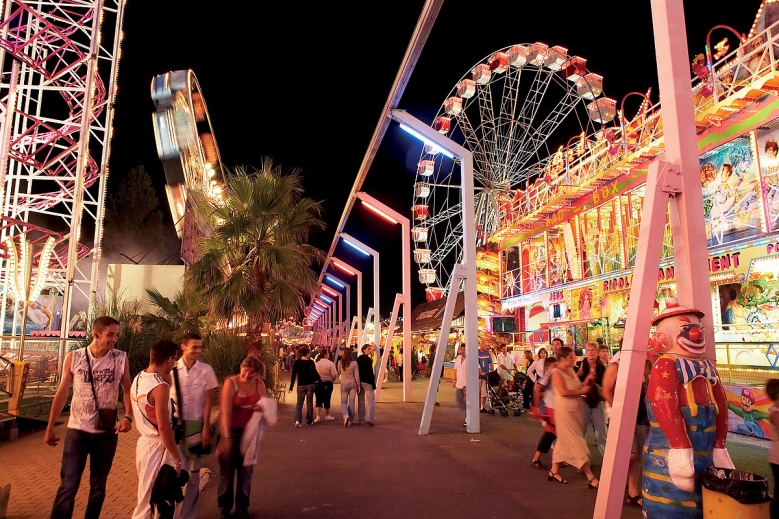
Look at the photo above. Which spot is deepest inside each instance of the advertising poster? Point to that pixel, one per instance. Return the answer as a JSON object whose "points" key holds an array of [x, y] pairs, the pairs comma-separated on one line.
{"points": [[768, 151], [42, 315], [585, 304], [730, 197], [748, 411]]}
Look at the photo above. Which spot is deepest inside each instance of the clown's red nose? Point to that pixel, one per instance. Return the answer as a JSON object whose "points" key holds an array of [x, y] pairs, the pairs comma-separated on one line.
{"points": [[695, 334]]}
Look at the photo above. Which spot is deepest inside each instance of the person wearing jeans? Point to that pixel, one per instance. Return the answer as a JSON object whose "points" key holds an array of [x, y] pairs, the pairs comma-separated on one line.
{"points": [[304, 369], [368, 385], [350, 386], [95, 374]]}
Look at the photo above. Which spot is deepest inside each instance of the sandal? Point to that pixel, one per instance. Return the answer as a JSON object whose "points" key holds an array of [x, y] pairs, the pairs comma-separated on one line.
{"points": [[635, 500], [537, 464], [554, 476], [590, 484]]}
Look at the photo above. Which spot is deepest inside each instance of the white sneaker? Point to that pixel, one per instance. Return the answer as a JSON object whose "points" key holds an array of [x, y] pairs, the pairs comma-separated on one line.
{"points": [[297, 424], [329, 417]]}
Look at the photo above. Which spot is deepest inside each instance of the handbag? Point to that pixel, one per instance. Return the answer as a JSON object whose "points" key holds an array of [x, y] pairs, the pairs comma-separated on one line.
{"points": [[106, 416], [187, 431]]}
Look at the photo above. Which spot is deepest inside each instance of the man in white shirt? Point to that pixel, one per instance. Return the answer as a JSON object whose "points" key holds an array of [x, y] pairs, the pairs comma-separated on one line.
{"points": [[458, 381], [505, 363], [196, 380]]}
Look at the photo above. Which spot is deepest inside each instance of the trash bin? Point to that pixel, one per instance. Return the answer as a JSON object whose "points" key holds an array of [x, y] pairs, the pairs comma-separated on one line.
{"points": [[729, 493]]}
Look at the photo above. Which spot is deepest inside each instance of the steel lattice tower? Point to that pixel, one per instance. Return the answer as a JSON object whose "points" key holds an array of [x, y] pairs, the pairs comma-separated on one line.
{"points": [[59, 62]]}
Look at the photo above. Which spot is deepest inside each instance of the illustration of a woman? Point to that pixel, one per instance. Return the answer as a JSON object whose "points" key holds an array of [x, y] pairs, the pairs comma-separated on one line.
{"points": [[585, 303]]}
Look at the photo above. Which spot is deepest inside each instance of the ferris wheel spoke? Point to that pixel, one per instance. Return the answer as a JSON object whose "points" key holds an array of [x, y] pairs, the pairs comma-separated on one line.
{"points": [[533, 101], [473, 143], [547, 127], [489, 136], [450, 242], [443, 215]]}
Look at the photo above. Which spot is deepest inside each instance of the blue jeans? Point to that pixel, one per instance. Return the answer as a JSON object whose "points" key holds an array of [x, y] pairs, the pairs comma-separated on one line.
{"points": [[348, 392], [305, 392], [599, 421], [100, 447], [366, 393], [230, 465]]}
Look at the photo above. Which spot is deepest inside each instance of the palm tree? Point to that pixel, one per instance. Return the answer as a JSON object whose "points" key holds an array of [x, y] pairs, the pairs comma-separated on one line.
{"points": [[256, 263], [186, 313]]}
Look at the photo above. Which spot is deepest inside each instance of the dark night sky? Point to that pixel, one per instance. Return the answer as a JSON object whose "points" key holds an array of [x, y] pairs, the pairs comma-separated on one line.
{"points": [[305, 84]]}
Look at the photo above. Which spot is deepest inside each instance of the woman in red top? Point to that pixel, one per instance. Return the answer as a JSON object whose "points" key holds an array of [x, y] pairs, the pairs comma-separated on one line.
{"points": [[240, 395]]}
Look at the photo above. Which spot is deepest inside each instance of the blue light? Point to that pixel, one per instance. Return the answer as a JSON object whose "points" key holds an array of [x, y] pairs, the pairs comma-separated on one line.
{"points": [[326, 299], [334, 281], [322, 308], [356, 247], [412, 131]]}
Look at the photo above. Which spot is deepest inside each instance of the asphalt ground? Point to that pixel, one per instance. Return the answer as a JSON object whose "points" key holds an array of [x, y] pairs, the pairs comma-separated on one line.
{"points": [[386, 471]]}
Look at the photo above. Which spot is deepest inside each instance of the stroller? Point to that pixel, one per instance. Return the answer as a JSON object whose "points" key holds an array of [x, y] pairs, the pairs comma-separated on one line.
{"points": [[497, 399]]}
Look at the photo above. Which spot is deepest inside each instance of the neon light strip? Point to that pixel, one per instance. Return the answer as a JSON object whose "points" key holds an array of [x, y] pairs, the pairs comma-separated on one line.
{"points": [[342, 267], [379, 212], [356, 247], [425, 140], [330, 291], [331, 279], [326, 299]]}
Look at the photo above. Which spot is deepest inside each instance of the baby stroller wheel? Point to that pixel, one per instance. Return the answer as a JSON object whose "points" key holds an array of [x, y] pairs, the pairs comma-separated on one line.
{"points": [[517, 412], [492, 412], [504, 413]]}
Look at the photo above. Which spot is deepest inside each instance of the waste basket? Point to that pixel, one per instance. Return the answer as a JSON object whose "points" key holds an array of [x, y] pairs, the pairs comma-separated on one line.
{"points": [[729, 493]]}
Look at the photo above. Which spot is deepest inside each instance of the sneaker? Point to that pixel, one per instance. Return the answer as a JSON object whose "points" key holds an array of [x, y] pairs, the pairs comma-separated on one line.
{"points": [[465, 424], [437, 403], [297, 424], [309, 423], [328, 417], [370, 423]]}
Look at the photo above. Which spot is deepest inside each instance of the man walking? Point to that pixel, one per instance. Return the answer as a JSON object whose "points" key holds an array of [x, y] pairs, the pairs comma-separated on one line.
{"points": [[95, 373], [150, 393], [485, 366], [368, 382], [196, 380]]}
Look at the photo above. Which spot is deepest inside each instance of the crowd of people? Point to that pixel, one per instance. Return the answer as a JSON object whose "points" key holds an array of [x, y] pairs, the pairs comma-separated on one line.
{"points": [[169, 403]]}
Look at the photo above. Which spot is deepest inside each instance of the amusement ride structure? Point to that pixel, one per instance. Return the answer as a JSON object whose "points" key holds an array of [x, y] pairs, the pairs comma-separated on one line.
{"points": [[59, 63]]}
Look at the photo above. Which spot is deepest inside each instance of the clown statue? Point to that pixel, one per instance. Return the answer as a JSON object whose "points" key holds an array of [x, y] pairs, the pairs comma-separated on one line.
{"points": [[688, 414]]}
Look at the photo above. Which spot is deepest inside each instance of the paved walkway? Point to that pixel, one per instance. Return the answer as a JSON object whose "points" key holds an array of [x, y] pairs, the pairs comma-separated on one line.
{"points": [[386, 471]]}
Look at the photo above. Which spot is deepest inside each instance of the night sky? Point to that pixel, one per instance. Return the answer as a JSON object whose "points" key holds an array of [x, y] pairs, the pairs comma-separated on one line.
{"points": [[305, 84]]}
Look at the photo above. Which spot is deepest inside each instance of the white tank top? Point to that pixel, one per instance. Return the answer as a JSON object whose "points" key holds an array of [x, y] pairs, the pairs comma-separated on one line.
{"points": [[107, 376], [143, 412]]}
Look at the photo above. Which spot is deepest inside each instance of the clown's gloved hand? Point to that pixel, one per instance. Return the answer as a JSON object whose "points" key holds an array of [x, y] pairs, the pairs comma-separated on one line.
{"points": [[722, 459], [681, 468]]}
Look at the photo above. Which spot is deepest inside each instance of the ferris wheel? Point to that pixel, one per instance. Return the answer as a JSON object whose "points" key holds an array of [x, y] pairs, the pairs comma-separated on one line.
{"points": [[515, 111]]}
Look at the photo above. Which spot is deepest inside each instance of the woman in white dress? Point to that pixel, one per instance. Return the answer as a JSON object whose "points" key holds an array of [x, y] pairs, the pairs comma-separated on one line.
{"points": [[570, 446]]}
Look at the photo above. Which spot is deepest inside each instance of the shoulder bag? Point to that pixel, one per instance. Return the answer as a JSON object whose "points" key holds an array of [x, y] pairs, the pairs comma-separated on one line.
{"points": [[106, 416]]}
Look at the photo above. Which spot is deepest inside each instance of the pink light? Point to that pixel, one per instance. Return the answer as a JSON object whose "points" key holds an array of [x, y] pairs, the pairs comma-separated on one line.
{"points": [[330, 291], [379, 212], [343, 267]]}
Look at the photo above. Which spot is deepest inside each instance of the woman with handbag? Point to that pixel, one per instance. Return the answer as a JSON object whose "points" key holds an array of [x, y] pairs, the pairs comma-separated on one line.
{"points": [[593, 410], [240, 397]]}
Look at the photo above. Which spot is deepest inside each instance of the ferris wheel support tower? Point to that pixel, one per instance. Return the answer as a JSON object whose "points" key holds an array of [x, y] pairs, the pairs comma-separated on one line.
{"points": [[58, 66]]}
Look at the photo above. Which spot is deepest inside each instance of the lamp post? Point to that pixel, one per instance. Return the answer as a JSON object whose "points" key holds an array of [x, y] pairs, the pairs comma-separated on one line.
{"points": [[710, 59], [359, 246], [345, 267], [468, 271], [389, 214]]}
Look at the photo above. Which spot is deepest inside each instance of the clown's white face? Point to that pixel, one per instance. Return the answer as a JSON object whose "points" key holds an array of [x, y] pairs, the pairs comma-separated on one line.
{"points": [[683, 335]]}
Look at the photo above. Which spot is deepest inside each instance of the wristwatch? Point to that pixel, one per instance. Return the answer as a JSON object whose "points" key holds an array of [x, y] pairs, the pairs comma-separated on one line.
{"points": [[128, 417]]}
